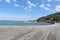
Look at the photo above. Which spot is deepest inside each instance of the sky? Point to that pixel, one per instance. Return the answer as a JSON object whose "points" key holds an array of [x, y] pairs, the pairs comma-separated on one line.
{"points": [[27, 9]]}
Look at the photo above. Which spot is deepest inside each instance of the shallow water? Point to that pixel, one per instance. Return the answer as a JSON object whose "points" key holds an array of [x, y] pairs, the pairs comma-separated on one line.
{"points": [[21, 23]]}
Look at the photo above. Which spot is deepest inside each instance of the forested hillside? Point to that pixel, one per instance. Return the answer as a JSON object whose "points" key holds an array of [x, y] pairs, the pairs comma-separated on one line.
{"points": [[54, 16]]}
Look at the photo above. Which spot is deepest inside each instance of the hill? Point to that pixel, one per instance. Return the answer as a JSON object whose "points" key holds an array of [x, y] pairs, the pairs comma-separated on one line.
{"points": [[55, 17]]}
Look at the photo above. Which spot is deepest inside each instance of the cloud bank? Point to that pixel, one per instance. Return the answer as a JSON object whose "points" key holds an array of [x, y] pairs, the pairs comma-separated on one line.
{"points": [[10, 16]]}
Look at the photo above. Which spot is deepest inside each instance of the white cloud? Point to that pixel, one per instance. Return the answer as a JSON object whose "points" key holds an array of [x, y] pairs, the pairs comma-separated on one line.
{"points": [[42, 0], [48, 5], [8, 1], [43, 6], [25, 8], [49, 0], [14, 0], [16, 5], [46, 8], [57, 8], [30, 4], [28, 8], [10, 16], [57, 0]]}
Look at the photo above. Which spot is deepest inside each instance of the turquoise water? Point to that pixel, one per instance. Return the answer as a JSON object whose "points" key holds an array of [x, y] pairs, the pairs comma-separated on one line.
{"points": [[21, 23]]}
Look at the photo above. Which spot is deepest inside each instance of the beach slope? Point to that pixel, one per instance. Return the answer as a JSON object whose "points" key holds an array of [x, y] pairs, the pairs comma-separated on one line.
{"points": [[47, 32]]}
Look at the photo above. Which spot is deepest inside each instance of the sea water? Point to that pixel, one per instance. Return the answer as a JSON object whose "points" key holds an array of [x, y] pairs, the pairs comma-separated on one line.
{"points": [[21, 23]]}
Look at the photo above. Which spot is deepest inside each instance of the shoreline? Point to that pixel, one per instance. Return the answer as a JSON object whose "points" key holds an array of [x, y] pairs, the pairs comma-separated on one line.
{"points": [[28, 25], [43, 26]]}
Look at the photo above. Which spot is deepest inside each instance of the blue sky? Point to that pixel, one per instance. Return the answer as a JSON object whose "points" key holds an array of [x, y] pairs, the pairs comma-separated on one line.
{"points": [[27, 9]]}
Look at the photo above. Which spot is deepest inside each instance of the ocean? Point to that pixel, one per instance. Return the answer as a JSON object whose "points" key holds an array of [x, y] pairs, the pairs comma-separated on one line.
{"points": [[21, 23]]}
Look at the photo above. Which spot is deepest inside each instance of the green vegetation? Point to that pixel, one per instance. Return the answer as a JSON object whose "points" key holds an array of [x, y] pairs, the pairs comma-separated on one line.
{"points": [[54, 16], [32, 21]]}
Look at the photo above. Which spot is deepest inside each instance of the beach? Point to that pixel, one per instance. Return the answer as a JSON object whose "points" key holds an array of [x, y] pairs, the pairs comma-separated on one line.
{"points": [[47, 32]]}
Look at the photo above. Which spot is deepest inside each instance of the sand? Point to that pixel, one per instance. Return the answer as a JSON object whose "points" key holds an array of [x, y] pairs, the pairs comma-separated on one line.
{"points": [[46, 32]]}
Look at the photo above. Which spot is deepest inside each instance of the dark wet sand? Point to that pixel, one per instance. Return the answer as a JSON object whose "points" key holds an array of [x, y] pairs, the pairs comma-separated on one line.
{"points": [[48, 32]]}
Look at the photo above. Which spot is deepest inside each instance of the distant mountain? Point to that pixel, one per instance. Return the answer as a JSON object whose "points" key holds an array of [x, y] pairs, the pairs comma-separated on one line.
{"points": [[55, 17]]}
